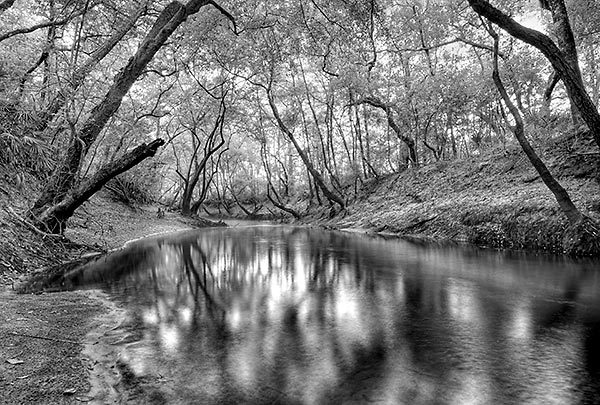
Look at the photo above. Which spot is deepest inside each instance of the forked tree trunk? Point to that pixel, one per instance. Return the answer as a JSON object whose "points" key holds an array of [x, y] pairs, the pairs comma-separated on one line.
{"points": [[54, 218], [583, 236], [210, 148]]}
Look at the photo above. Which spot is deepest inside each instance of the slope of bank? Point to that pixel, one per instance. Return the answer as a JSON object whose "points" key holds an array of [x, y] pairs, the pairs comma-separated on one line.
{"points": [[497, 200], [42, 336]]}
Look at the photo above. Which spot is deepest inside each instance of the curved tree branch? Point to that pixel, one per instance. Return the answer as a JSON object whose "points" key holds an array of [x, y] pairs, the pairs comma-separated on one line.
{"points": [[36, 27], [569, 75]]}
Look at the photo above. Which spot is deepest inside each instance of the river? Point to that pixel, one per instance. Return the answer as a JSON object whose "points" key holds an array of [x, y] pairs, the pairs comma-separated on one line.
{"points": [[280, 314]]}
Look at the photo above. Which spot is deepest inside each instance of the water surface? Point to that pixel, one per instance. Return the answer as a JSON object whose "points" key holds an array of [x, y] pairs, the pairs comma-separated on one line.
{"points": [[280, 314]]}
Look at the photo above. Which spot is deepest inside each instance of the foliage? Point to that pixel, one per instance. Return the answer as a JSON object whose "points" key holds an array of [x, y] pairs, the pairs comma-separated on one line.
{"points": [[26, 153], [428, 62], [136, 186]]}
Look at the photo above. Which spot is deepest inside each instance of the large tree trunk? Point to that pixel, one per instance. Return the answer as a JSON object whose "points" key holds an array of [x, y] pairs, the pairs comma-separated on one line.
{"points": [[54, 218], [64, 177], [566, 43], [583, 236], [570, 76]]}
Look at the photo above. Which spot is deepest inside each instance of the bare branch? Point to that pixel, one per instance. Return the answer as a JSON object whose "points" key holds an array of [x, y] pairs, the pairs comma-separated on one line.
{"points": [[226, 14], [448, 42], [36, 27]]}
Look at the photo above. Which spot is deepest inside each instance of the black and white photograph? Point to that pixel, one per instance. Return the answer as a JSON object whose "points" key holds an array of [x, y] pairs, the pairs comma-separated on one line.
{"points": [[299, 202]]}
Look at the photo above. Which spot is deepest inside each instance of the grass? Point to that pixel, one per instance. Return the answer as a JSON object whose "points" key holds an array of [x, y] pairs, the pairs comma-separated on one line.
{"points": [[495, 200]]}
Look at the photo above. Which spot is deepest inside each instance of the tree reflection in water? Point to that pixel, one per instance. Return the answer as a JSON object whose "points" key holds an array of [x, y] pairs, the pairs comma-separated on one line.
{"points": [[293, 315]]}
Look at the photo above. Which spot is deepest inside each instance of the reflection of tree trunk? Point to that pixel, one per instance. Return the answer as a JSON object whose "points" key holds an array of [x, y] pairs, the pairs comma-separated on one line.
{"points": [[200, 280]]}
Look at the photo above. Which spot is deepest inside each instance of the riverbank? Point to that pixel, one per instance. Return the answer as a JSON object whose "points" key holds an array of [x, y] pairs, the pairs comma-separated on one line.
{"points": [[497, 200], [49, 343], [52, 346]]}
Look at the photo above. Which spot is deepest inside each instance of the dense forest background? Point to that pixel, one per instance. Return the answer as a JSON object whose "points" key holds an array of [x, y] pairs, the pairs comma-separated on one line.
{"points": [[287, 107]]}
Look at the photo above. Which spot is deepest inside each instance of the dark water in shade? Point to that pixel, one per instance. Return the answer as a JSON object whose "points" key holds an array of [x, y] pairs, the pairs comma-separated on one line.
{"points": [[293, 315]]}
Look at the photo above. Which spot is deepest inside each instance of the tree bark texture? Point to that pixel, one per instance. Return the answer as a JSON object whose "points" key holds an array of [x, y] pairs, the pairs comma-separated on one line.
{"points": [[568, 73], [561, 195], [53, 219], [5, 5], [566, 43]]}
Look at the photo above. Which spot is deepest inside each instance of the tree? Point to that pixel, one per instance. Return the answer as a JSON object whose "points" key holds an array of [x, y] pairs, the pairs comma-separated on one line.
{"points": [[317, 177], [80, 74], [583, 236], [566, 43], [62, 184], [570, 74], [197, 167], [389, 113]]}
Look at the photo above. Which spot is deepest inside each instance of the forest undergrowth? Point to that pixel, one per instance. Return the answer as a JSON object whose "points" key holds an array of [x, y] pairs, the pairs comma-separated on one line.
{"points": [[495, 200], [101, 224]]}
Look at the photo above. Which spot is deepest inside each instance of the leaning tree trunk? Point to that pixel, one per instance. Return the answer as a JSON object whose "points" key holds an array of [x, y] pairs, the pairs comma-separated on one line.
{"points": [[583, 235], [568, 73], [53, 219], [566, 43], [63, 179], [409, 142], [84, 70], [319, 181]]}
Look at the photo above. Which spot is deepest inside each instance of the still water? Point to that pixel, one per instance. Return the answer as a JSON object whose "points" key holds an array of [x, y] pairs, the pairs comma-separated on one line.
{"points": [[291, 315]]}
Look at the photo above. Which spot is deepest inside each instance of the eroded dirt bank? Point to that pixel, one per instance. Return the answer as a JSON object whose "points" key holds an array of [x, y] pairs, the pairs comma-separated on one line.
{"points": [[58, 348], [494, 201]]}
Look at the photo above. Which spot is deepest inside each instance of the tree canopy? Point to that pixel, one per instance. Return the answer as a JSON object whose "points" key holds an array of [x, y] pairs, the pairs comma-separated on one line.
{"points": [[289, 101]]}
